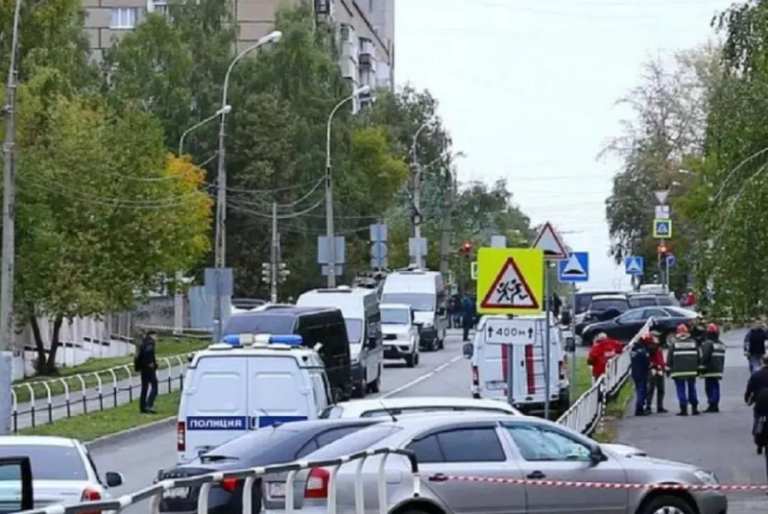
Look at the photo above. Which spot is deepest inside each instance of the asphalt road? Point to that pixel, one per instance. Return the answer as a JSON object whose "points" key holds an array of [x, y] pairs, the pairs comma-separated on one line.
{"points": [[718, 442], [442, 373]]}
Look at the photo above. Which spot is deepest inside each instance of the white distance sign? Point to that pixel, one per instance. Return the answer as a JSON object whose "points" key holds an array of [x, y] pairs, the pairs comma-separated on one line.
{"points": [[510, 331]]}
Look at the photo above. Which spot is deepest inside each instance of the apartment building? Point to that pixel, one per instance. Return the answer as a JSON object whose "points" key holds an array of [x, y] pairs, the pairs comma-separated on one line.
{"points": [[367, 29]]}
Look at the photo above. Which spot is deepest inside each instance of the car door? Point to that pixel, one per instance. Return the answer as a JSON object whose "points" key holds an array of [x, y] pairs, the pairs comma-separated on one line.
{"points": [[16, 492], [629, 324], [547, 453], [474, 450]]}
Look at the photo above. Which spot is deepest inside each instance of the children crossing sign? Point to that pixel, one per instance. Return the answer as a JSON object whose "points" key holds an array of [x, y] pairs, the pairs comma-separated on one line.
{"points": [[510, 281]]}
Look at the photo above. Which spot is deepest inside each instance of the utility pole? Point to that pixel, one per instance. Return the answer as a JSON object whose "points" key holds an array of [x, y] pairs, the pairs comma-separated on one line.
{"points": [[445, 228], [416, 173], [329, 228], [9, 234], [274, 256]]}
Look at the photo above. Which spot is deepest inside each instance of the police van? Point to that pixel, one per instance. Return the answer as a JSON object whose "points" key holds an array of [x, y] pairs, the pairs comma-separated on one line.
{"points": [[495, 364], [244, 383]]}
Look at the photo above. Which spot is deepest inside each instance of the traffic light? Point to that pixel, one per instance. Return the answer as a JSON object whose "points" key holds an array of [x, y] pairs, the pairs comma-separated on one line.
{"points": [[663, 249], [266, 272], [283, 272], [466, 248]]}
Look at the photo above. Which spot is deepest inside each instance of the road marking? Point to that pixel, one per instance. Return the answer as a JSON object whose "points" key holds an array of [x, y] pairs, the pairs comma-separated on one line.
{"points": [[423, 377]]}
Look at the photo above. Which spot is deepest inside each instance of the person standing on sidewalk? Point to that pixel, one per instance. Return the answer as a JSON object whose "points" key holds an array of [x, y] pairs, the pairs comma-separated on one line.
{"points": [[754, 345], [683, 365], [468, 315], [146, 364], [601, 352], [641, 365], [712, 366], [756, 395], [656, 378]]}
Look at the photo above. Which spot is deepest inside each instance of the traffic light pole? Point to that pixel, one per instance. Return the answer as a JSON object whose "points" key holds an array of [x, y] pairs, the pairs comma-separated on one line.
{"points": [[273, 257]]}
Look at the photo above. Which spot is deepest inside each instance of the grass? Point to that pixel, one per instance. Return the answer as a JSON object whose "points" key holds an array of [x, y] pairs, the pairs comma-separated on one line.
{"points": [[97, 424], [583, 376], [615, 411], [166, 347]]}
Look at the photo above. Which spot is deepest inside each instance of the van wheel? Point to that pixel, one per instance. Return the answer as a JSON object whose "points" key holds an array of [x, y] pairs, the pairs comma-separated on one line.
{"points": [[667, 505], [411, 360], [359, 389]]}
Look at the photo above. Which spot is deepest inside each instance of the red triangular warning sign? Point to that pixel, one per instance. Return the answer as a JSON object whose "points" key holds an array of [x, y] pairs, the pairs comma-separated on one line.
{"points": [[549, 242], [510, 290]]}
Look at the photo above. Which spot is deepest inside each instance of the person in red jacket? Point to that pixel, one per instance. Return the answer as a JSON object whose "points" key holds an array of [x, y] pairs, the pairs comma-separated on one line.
{"points": [[656, 375], [602, 351]]}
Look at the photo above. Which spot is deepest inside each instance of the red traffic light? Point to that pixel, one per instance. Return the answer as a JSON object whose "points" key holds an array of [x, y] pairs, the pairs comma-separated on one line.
{"points": [[465, 248], [662, 248]]}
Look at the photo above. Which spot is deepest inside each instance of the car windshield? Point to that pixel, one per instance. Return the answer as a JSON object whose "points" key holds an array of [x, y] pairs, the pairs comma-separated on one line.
{"points": [[395, 316], [603, 305], [418, 301], [248, 445], [356, 442], [680, 312], [260, 323], [354, 330], [642, 301], [48, 462]]}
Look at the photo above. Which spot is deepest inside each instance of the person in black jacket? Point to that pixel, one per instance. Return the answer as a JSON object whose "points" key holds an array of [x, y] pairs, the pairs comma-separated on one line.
{"points": [[754, 345], [757, 396], [146, 364]]}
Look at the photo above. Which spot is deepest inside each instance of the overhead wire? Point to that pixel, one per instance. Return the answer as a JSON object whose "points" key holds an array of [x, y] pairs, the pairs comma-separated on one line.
{"points": [[251, 212]]}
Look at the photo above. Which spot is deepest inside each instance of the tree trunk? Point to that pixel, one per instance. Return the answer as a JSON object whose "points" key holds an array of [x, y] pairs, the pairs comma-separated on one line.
{"points": [[39, 345], [50, 367]]}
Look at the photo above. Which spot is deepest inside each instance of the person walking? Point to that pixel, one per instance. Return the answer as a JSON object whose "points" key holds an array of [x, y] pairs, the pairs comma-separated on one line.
{"points": [[712, 366], [602, 351], [145, 363], [656, 378], [756, 395], [468, 315], [641, 365], [754, 345], [683, 366]]}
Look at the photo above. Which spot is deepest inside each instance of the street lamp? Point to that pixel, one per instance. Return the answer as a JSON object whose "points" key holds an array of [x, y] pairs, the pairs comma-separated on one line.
{"points": [[221, 182], [225, 110], [329, 186], [417, 191]]}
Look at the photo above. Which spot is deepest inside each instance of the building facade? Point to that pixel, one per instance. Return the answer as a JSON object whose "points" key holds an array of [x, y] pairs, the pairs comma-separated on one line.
{"points": [[367, 29]]}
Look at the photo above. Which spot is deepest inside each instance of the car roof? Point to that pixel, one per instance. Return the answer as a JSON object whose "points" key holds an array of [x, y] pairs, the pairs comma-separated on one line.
{"points": [[642, 295], [618, 296], [37, 440], [403, 306], [428, 421], [426, 402], [285, 310]]}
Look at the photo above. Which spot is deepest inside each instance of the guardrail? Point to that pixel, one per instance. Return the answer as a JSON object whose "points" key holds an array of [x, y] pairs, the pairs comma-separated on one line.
{"points": [[87, 392], [586, 412], [154, 493]]}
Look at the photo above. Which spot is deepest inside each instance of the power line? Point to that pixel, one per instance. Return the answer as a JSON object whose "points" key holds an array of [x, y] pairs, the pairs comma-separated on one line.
{"points": [[251, 212]]}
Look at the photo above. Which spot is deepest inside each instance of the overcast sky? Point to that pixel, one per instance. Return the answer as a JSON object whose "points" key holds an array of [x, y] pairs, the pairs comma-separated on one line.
{"points": [[528, 88]]}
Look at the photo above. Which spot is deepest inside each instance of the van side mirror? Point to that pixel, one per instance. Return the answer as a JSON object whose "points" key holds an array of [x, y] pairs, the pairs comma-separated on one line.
{"points": [[469, 350]]}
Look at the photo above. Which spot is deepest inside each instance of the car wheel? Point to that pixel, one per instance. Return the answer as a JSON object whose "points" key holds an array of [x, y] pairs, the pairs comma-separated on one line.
{"points": [[411, 360], [418, 358], [667, 504], [360, 387]]}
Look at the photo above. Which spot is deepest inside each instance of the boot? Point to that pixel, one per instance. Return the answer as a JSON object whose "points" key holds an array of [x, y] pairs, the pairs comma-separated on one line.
{"points": [[695, 410], [715, 408], [683, 411], [661, 410], [641, 412], [711, 408]]}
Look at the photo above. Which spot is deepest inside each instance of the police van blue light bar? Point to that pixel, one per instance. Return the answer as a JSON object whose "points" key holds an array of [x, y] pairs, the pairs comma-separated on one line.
{"points": [[232, 340], [290, 339]]}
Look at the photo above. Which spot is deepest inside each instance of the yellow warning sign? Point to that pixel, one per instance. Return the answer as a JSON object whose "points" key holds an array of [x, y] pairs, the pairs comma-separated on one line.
{"points": [[510, 281]]}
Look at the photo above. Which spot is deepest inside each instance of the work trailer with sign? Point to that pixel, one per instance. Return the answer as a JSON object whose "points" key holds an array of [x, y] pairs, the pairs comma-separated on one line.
{"points": [[508, 363]]}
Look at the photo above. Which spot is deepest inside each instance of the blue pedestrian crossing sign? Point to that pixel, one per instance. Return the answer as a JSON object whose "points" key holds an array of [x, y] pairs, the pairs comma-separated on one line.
{"points": [[575, 268], [671, 260], [662, 228], [633, 265]]}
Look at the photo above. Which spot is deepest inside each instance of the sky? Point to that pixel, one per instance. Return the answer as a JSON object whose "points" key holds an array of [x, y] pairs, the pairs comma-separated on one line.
{"points": [[529, 89]]}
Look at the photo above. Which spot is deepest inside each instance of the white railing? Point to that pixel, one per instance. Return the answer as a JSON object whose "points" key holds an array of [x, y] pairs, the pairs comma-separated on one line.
{"points": [[153, 494], [586, 412]]}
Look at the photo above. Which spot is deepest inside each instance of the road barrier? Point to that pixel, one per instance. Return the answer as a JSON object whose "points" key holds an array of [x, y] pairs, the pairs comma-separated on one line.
{"points": [[87, 392], [154, 493], [585, 414]]}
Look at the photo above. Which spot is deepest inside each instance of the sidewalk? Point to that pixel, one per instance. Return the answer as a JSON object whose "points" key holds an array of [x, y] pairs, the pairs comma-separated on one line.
{"points": [[127, 390], [719, 442]]}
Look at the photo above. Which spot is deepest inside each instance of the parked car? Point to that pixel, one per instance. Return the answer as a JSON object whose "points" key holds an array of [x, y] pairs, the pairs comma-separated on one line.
{"points": [[499, 446], [626, 326], [262, 447], [603, 308], [584, 300], [63, 472], [649, 300], [415, 405]]}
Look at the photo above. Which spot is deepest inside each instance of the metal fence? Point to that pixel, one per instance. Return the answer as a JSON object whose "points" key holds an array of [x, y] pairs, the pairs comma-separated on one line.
{"points": [[153, 494], [39, 402], [586, 413]]}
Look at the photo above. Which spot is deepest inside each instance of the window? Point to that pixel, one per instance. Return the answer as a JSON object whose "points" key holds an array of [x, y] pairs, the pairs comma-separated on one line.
{"points": [[354, 330], [327, 437], [50, 462], [418, 301], [123, 17], [395, 316], [308, 448], [360, 440], [538, 444], [334, 412], [634, 315], [658, 313], [460, 445], [158, 6]]}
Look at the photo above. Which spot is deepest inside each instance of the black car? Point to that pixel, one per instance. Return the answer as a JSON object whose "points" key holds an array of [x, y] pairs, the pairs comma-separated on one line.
{"points": [[263, 447], [626, 326], [602, 308]]}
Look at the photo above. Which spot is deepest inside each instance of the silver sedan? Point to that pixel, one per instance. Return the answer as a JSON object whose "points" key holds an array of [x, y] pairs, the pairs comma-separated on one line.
{"points": [[477, 446]]}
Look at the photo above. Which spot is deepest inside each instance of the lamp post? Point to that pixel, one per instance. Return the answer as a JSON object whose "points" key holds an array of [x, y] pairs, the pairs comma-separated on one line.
{"points": [[225, 110], [417, 192], [329, 186], [221, 197]]}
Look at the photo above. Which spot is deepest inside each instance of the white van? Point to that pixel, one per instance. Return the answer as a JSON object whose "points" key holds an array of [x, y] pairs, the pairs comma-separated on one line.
{"points": [[424, 291], [401, 337], [491, 367], [245, 383], [360, 309]]}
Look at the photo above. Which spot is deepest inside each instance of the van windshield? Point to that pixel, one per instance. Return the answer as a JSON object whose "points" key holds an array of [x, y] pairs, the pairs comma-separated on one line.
{"points": [[395, 316], [354, 330], [419, 301], [260, 323]]}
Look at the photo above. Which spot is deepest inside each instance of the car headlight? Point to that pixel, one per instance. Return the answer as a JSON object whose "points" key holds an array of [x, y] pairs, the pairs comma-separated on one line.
{"points": [[706, 477]]}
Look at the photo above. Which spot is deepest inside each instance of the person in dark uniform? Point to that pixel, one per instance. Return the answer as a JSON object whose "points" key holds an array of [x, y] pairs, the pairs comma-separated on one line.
{"points": [[468, 315], [146, 364]]}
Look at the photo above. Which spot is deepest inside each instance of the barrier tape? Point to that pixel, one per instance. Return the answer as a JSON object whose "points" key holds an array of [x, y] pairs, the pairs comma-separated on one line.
{"points": [[606, 485]]}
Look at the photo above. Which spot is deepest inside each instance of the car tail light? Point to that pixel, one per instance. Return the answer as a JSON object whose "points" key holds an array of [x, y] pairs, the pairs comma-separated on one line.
{"points": [[317, 484], [230, 484], [91, 495], [475, 376], [181, 436]]}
